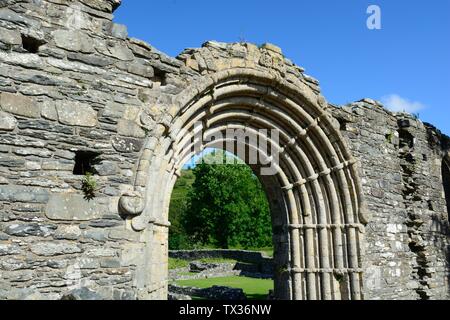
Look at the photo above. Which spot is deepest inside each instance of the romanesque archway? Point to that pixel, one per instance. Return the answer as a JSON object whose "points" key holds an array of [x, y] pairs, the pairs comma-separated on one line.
{"points": [[315, 195]]}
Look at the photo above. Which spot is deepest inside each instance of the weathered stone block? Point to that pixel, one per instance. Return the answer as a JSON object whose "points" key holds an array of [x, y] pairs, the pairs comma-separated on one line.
{"points": [[130, 129], [23, 194], [110, 263], [104, 223], [141, 70], [49, 249], [118, 51], [67, 232], [76, 114], [57, 165], [11, 37], [20, 105], [49, 110], [124, 235], [88, 263], [30, 229], [127, 145], [82, 294], [96, 235], [73, 40], [11, 16], [101, 252], [57, 264], [73, 207], [7, 122], [106, 168], [91, 59], [33, 152], [9, 249]]}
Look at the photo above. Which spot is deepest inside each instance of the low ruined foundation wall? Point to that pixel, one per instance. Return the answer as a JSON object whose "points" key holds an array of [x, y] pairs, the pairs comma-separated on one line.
{"points": [[239, 255]]}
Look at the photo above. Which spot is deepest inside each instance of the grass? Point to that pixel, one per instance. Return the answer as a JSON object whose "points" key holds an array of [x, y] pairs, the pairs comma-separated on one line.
{"points": [[178, 263], [254, 289]]}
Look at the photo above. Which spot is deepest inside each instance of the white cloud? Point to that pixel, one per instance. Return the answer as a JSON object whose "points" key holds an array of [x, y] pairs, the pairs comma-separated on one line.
{"points": [[398, 104]]}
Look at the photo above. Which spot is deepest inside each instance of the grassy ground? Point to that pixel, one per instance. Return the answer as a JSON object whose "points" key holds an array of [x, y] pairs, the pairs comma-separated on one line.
{"points": [[255, 289]]}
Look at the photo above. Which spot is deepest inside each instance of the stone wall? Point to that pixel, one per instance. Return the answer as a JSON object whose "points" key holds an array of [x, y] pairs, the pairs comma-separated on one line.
{"points": [[75, 89], [254, 257], [71, 81], [406, 239]]}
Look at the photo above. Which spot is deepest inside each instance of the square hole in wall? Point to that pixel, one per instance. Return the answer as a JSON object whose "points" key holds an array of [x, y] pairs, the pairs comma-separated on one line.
{"points": [[31, 44], [85, 161]]}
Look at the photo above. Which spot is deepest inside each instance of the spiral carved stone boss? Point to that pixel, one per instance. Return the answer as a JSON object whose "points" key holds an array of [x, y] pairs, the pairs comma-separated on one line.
{"points": [[132, 203]]}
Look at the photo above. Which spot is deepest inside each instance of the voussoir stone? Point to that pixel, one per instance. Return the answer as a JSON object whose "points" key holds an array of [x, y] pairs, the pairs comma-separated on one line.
{"points": [[76, 114], [19, 104]]}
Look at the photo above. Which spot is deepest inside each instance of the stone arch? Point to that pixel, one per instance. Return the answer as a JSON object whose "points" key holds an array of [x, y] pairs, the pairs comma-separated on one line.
{"points": [[316, 190]]}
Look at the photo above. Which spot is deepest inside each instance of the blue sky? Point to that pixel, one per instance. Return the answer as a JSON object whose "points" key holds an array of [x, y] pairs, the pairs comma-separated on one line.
{"points": [[406, 63]]}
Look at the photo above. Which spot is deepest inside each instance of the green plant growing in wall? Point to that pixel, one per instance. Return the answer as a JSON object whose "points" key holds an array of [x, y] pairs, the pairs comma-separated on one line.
{"points": [[339, 277], [89, 185], [146, 131], [282, 270], [390, 137]]}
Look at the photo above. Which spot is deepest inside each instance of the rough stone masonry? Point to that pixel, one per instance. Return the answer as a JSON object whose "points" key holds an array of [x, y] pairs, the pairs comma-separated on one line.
{"points": [[360, 201]]}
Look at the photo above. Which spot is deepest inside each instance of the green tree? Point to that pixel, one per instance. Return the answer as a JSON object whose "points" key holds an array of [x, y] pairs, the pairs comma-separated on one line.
{"points": [[178, 203], [227, 207]]}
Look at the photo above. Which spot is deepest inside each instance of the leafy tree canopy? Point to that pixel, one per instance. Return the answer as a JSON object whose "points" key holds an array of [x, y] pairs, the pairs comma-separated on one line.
{"points": [[226, 207]]}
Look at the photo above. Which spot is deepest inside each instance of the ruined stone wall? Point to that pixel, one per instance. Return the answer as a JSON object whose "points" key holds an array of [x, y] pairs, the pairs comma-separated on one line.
{"points": [[406, 240], [254, 257], [71, 81], [72, 84]]}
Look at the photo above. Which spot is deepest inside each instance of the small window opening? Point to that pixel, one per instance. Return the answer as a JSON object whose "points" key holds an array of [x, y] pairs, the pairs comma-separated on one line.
{"points": [[31, 44], [84, 162], [342, 124], [446, 182], [160, 76]]}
